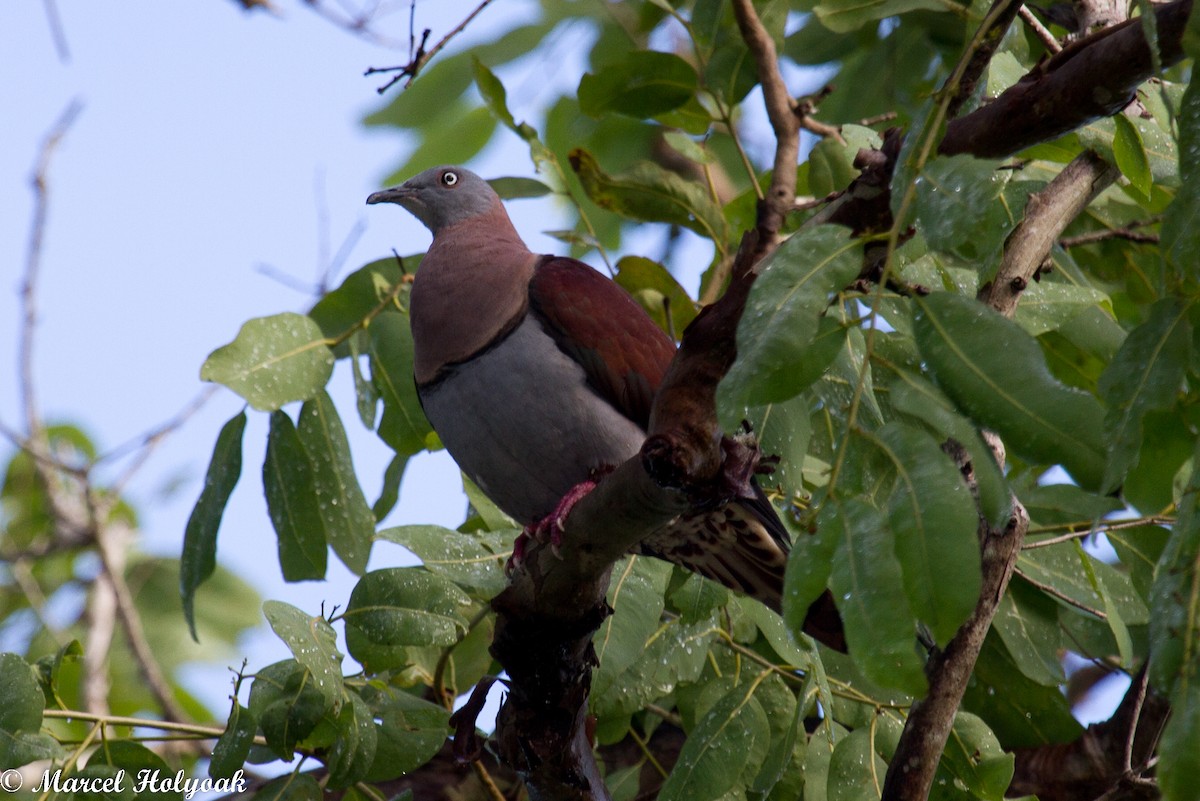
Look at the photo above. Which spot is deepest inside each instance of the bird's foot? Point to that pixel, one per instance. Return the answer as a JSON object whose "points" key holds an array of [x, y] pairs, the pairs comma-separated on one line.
{"points": [[518, 552], [550, 527]]}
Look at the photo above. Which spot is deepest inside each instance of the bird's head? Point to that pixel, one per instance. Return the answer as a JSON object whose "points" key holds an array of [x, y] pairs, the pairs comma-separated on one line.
{"points": [[441, 196]]}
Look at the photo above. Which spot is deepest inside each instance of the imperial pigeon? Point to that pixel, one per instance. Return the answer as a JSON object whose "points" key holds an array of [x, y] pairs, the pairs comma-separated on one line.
{"points": [[537, 373]]}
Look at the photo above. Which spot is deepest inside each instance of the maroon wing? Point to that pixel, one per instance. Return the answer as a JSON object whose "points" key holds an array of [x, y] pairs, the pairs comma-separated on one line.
{"points": [[598, 324]]}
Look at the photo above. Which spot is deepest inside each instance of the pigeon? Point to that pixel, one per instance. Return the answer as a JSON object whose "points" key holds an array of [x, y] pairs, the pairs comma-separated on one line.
{"points": [[538, 374]]}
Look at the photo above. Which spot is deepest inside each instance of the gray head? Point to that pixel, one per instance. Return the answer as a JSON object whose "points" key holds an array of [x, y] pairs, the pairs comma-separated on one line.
{"points": [[441, 196]]}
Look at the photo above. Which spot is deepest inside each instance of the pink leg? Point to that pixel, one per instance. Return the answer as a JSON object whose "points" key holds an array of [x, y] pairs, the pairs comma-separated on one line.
{"points": [[551, 526]]}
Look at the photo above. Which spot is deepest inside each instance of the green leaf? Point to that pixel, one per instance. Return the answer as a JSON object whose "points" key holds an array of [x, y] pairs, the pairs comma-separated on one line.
{"points": [[1181, 223], [411, 731], [314, 644], [348, 522], [676, 654], [356, 297], [1175, 612], [401, 606], [635, 594], [21, 716], [642, 84], [48, 668], [957, 206], [855, 769], [975, 758], [642, 277], [292, 503], [730, 740], [922, 402], [1131, 155], [1047, 305], [454, 137], [465, 559], [403, 426], [350, 758], [996, 372], [934, 523], [272, 361], [841, 16], [514, 188], [1027, 622], [831, 163], [291, 787], [135, 760], [1179, 759], [785, 342], [1147, 374], [199, 557], [497, 100], [648, 193], [389, 493], [868, 585], [287, 704], [233, 746], [809, 566]]}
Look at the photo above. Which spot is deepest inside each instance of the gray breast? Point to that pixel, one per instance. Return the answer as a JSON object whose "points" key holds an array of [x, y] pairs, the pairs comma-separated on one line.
{"points": [[523, 423]]}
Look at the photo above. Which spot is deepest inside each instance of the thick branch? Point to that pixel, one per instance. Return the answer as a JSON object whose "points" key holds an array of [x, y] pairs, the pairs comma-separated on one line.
{"points": [[1047, 215], [1094, 77]]}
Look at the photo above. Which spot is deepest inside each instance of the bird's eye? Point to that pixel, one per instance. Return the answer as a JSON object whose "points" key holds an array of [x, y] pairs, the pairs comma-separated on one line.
{"points": [[449, 178]]}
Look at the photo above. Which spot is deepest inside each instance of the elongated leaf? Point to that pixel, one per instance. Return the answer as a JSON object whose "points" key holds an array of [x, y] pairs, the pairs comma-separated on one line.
{"points": [[1027, 622], [292, 503], [348, 522], [649, 193], [1175, 618], [841, 16], [855, 769], [675, 654], [869, 588], [643, 84], [636, 597], [402, 606], [809, 566], [995, 372], [314, 644], [784, 341], [1181, 223], [956, 206], [1047, 306], [285, 700], [1131, 155], [403, 426], [233, 746], [389, 493], [199, 557], [934, 523], [465, 559], [1146, 374], [274, 360], [923, 402], [496, 98], [1179, 763], [731, 738], [353, 751], [974, 757], [411, 731]]}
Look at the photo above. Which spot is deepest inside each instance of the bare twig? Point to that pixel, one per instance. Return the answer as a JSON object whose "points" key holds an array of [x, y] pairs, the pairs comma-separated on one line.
{"points": [[33, 261], [358, 22], [56, 30], [1088, 530], [145, 445], [1039, 30], [422, 56], [1126, 232]]}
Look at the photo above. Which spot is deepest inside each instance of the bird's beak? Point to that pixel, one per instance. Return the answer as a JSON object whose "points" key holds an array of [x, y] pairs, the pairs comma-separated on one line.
{"points": [[394, 195]]}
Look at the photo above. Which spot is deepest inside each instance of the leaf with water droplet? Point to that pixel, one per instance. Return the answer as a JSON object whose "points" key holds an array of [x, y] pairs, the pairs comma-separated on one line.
{"points": [[272, 361], [314, 644]]}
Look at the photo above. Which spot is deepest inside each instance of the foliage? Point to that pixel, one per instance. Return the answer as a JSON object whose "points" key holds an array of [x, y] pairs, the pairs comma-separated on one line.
{"points": [[857, 385]]}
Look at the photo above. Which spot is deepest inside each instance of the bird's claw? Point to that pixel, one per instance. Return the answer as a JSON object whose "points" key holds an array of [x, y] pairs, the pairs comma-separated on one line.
{"points": [[551, 528]]}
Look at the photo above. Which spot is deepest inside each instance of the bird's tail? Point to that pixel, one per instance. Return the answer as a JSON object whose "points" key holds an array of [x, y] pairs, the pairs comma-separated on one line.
{"points": [[743, 546]]}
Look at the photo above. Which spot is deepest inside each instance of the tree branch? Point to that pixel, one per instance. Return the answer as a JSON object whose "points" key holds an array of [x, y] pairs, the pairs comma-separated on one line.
{"points": [[1047, 215], [781, 196], [1093, 77]]}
